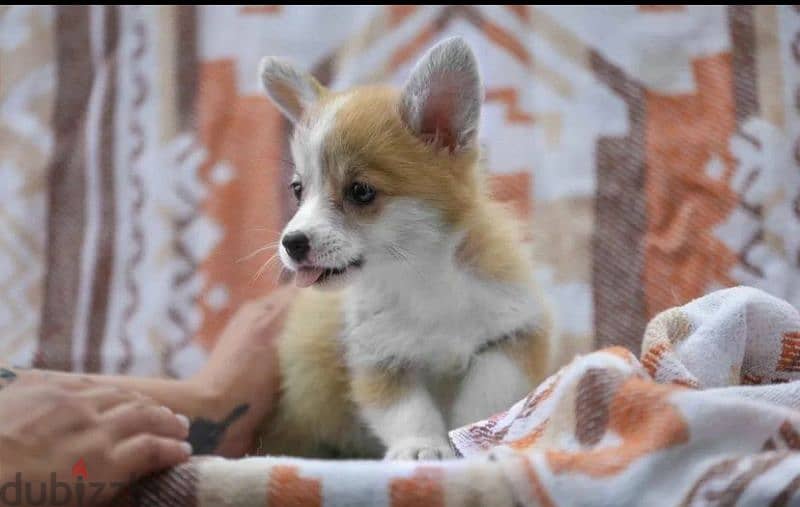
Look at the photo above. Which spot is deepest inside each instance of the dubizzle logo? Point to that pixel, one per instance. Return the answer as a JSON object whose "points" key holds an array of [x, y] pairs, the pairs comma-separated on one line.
{"points": [[79, 492], [79, 470]]}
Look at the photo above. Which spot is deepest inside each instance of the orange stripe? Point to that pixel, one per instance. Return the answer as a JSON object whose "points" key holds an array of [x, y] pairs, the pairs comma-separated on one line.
{"points": [[510, 97], [245, 133], [652, 358], [515, 190], [691, 384], [684, 203], [645, 420], [398, 13], [542, 498], [789, 359], [287, 489], [503, 39], [260, 9], [521, 11], [416, 46], [528, 440], [424, 488]]}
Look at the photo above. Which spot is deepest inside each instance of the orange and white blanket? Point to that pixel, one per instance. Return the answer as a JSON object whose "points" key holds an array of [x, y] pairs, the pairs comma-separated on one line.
{"points": [[710, 415]]}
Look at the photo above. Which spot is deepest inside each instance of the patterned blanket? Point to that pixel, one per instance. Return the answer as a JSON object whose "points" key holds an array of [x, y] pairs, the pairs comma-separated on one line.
{"points": [[709, 415], [655, 150], [652, 148]]}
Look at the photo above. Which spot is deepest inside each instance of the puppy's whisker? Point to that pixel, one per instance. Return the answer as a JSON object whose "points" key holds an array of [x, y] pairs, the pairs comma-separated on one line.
{"points": [[265, 266], [258, 251], [264, 228]]}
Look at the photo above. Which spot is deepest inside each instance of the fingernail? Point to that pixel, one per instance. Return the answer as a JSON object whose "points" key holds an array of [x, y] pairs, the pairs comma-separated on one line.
{"points": [[183, 420], [187, 448], [164, 407]]}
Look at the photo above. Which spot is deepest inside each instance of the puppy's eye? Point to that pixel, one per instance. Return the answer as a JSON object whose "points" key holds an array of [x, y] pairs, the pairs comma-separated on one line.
{"points": [[297, 189], [361, 193]]}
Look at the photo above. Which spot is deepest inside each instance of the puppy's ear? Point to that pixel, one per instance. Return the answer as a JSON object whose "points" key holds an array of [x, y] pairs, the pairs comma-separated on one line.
{"points": [[291, 89], [441, 102]]}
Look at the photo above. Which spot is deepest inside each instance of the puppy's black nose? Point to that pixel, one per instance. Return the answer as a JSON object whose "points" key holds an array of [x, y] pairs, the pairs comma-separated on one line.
{"points": [[296, 245]]}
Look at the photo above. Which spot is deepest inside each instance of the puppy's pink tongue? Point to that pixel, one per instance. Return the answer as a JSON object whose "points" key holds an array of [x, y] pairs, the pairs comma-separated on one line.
{"points": [[307, 276]]}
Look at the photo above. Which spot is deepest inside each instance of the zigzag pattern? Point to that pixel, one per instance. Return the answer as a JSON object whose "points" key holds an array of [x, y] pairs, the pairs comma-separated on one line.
{"points": [[27, 141]]}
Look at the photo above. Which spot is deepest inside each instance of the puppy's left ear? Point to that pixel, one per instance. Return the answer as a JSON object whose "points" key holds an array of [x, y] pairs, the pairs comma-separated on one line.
{"points": [[441, 101], [291, 89]]}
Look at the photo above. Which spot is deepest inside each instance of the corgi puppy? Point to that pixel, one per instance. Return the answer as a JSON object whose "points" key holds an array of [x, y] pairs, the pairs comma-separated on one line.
{"points": [[419, 311]]}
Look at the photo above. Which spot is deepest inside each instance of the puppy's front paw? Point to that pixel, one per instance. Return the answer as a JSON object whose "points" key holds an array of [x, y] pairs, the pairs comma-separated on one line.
{"points": [[420, 449]]}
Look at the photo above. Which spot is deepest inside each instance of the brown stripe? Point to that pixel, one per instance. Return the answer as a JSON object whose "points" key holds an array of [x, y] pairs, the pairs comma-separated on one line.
{"points": [[790, 435], [186, 70], [596, 388], [715, 472], [186, 59], [790, 353], [787, 493], [101, 286], [731, 494], [620, 218], [743, 39], [66, 183], [727, 469], [175, 487]]}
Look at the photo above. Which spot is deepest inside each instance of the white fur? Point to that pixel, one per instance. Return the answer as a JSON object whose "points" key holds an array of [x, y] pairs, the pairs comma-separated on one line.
{"points": [[412, 427], [279, 77], [425, 312], [493, 383], [332, 245], [426, 309], [308, 144]]}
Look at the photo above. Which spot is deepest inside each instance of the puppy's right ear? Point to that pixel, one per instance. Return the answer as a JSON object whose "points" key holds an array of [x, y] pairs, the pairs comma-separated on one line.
{"points": [[441, 101], [291, 89]]}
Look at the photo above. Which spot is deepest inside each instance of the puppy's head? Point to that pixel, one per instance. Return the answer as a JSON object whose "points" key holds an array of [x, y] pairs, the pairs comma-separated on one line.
{"points": [[381, 174]]}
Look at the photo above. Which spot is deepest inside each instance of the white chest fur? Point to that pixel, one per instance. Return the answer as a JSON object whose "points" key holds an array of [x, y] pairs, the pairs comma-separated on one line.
{"points": [[431, 315]]}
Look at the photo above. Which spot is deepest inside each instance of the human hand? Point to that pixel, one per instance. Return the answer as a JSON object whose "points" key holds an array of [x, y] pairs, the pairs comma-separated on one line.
{"points": [[242, 372], [49, 427]]}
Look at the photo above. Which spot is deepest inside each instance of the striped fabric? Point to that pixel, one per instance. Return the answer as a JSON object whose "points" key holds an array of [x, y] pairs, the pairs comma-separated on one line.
{"points": [[675, 428], [654, 150]]}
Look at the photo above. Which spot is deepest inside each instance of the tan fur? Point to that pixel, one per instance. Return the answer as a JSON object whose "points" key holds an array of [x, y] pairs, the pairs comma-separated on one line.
{"points": [[378, 388], [374, 146], [531, 352], [315, 410], [493, 245]]}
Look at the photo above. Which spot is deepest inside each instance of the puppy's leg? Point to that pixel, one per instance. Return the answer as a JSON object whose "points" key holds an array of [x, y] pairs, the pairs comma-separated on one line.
{"points": [[493, 383], [402, 413]]}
